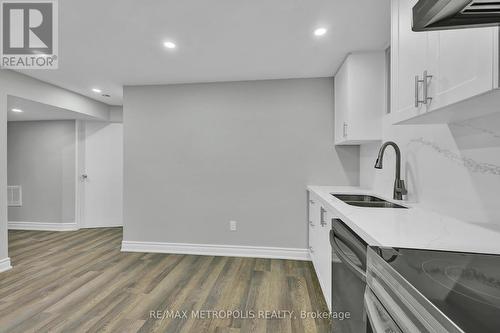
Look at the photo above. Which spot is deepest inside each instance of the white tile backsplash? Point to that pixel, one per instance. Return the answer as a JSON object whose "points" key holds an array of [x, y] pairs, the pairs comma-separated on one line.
{"points": [[451, 169]]}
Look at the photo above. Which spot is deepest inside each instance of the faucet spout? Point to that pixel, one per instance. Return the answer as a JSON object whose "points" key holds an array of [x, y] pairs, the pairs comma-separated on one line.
{"points": [[399, 184]]}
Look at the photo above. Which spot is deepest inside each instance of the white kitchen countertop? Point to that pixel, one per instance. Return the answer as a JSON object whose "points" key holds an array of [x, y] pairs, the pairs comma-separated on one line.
{"points": [[408, 228]]}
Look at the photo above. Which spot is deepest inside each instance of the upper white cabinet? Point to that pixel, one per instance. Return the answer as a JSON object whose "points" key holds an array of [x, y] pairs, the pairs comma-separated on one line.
{"points": [[360, 98], [441, 76], [409, 53], [463, 62]]}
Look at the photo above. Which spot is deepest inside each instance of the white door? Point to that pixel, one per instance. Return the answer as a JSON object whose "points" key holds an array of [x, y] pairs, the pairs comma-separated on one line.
{"points": [[102, 175], [464, 64]]}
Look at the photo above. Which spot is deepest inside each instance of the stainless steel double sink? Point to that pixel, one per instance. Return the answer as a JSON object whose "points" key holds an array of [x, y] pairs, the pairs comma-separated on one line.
{"points": [[363, 200]]}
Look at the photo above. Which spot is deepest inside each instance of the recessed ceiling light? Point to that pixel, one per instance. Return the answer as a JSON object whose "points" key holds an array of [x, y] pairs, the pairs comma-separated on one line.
{"points": [[320, 31], [17, 110], [96, 90], [170, 45]]}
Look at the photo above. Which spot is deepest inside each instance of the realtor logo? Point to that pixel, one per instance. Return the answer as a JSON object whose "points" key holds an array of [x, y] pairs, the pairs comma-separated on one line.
{"points": [[29, 34]]}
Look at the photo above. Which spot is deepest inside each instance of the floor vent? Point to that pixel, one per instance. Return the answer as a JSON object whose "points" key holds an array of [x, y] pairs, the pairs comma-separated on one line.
{"points": [[14, 196]]}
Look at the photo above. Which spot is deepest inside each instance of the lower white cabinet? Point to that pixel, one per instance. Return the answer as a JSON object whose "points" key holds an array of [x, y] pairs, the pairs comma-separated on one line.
{"points": [[319, 244]]}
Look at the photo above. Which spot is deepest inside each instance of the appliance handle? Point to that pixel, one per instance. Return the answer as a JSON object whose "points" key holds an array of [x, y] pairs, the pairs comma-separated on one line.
{"points": [[345, 259], [347, 237]]}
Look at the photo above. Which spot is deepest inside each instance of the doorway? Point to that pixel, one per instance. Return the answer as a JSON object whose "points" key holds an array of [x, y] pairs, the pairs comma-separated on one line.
{"points": [[67, 168], [100, 174]]}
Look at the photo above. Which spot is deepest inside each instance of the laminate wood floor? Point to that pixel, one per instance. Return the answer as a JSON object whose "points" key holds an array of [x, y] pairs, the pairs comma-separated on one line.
{"points": [[79, 281]]}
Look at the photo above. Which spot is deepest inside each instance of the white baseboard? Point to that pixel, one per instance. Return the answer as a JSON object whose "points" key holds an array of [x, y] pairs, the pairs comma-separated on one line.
{"points": [[5, 265], [101, 226], [42, 226], [217, 250]]}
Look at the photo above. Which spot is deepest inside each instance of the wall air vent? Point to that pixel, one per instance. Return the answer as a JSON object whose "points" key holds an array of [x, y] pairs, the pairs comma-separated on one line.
{"points": [[14, 196]]}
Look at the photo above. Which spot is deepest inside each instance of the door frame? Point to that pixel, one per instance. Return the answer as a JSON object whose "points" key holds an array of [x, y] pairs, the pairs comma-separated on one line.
{"points": [[79, 171]]}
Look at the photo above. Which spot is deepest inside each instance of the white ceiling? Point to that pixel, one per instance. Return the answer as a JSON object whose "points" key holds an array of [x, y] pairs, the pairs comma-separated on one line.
{"points": [[111, 43], [38, 111]]}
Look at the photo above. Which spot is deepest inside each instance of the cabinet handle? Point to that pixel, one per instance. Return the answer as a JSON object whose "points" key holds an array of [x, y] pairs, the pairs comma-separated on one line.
{"points": [[322, 216], [311, 249], [417, 83], [425, 81], [416, 90], [345, 130], [311, 202]]}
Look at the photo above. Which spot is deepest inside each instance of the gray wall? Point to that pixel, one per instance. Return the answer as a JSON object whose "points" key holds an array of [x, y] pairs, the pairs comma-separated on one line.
{"points": [[199, 155], [41, 157]]}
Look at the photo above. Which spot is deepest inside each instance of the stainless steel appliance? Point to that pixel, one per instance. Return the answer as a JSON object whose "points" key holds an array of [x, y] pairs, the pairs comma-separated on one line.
{"points": [[414, 290], [379, 319], [348, 279], [453, 14]]}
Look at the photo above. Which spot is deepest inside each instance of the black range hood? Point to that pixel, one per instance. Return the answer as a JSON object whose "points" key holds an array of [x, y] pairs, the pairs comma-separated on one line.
{"points": [[455, 14]]}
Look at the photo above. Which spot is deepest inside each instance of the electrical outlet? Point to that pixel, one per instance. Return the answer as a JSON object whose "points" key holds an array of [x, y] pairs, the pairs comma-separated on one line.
{"points": [[232, 225]]}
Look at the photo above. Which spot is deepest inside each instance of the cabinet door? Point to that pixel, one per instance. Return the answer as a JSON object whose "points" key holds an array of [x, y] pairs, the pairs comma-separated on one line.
{"points": [[461, 63], [366, 96], [409, 54], [319, 245], [341, 86], [314, 216], [324, 254]]}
